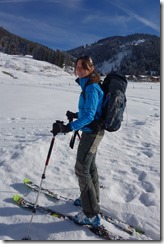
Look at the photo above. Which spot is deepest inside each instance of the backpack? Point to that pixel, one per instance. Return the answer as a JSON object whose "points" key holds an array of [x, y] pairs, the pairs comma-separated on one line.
{"points": [[114, 103]]}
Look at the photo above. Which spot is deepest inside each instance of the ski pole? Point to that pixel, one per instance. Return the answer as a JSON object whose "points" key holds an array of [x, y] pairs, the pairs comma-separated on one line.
{"points": [[74, 134], [42, 178], [72, 141]]}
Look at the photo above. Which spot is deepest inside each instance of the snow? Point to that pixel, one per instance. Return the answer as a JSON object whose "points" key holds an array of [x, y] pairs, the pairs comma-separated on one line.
{"points": [[33, 94], [114, 62]]}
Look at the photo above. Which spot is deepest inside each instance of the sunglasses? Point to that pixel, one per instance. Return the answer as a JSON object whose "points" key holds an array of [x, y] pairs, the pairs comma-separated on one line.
{"points": [[86, 59]]}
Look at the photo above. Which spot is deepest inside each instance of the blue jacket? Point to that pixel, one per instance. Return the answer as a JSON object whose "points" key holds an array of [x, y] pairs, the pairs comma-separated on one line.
{"points": [[89, 105]]}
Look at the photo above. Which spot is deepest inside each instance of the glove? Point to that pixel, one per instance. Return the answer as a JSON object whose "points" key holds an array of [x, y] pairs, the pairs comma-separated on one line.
{"points": [[70, 115], [58, 127]]}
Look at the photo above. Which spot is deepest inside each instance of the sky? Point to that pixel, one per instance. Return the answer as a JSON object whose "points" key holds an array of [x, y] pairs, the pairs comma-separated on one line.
{"points": [[67, 24]]}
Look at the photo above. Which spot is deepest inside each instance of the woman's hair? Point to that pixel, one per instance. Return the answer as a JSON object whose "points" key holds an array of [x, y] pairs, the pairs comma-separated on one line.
{"points": [[87, 63]]}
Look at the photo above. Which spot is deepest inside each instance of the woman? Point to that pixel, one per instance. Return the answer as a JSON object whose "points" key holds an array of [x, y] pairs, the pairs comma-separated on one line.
{"points": [[90, 103]]}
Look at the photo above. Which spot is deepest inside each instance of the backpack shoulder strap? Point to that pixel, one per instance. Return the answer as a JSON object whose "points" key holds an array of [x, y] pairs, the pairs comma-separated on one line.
{"points": [[86, 84]]}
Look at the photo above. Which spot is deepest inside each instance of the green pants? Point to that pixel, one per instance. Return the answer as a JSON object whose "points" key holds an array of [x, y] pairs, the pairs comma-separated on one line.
{"points": [[86, 172]]}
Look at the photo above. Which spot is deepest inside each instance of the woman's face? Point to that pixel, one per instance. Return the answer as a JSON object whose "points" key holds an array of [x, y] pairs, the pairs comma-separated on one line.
{"points": [[80, 71]]}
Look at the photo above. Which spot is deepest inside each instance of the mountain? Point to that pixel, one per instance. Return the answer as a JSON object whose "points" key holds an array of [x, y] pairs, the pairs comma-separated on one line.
{"points": [[137, 54], [133, 54]]}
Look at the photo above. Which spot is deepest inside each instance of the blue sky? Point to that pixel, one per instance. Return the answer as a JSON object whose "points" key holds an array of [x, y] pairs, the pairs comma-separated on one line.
{"points": [[66, 24]]}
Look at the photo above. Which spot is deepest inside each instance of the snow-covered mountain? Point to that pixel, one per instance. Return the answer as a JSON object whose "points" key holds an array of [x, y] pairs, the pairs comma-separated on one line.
{"points": [[133, 54], [33, 94]]}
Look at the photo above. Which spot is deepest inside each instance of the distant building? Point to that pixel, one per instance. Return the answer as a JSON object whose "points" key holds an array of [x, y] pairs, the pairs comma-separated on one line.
{"points": [[148, 78], [131, 78], [143, 78]]}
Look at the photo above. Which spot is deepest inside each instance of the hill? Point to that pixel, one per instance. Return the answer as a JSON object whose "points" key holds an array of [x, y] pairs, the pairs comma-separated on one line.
{"points": [[133, 54], [137, 54], [15, 45]]}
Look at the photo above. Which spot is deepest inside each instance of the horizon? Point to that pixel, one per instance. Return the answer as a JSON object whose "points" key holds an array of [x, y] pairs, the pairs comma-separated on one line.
{"points": [[82, 45]]}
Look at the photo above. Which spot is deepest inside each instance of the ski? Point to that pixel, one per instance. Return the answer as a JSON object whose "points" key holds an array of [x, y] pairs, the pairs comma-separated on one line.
{"points": [[47, 192], [101, 231], [121, 225]]}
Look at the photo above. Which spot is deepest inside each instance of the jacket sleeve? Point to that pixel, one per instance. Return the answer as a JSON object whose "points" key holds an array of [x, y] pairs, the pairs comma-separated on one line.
{"points": [[87, 110]]}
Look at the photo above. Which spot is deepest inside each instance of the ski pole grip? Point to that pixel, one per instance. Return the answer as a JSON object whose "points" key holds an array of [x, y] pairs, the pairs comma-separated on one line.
{"points": [[70, 120]]}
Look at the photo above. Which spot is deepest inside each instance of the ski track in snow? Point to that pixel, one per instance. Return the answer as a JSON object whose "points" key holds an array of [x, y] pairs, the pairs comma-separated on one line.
{"points": [[128, 161]]}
